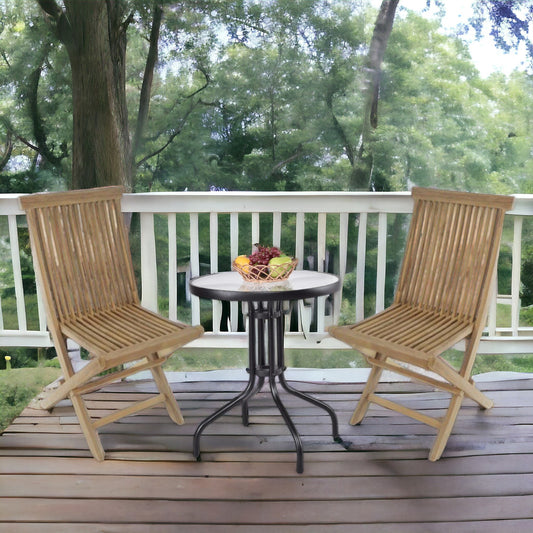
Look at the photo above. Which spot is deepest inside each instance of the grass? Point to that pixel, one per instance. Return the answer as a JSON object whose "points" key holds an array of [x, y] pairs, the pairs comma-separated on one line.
{"points": [[18, 387], [494, 363], [190, 360]]}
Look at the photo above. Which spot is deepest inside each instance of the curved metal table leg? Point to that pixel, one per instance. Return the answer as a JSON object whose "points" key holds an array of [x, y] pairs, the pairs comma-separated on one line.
{"points": [[318, 403], [266, 330], [290, 424], [243, 396]]}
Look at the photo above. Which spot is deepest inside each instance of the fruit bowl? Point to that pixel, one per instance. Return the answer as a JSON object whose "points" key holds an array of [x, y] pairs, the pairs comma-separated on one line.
{"points": [[266, 273]]}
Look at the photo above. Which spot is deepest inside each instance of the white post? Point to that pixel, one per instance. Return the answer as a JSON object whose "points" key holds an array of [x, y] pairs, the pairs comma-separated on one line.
{"points": [[515, 279], [360, 272], [213, 260], [172, 268], [194, 243], [148, 262], [382, 262], [234, 248], [17, 273]]}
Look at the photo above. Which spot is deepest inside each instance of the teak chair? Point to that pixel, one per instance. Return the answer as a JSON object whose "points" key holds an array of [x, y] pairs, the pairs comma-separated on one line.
{"points": [[442, 298], [83, 264]]}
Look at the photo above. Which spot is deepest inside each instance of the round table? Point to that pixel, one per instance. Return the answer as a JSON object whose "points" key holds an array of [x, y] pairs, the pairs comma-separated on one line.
{"points": [[266, 328]]}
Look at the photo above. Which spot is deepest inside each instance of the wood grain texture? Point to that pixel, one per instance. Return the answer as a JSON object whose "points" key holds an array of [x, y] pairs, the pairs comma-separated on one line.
{"points": [[380, 481]]}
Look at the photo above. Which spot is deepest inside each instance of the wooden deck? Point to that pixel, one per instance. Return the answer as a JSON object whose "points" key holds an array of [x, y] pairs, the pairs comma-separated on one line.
{"points": [[380, 482]]}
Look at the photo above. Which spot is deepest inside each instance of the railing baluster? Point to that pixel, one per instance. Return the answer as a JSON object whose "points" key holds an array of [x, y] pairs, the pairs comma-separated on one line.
{"points": [[360, 269], [382, 262], [515, 279], [343, 256], [172, 268], [321, 258], [493, 305], [234, 250], [213, 258], [276, 229], [300, 239], [40, 308], [17, 273], [194, 244], [299, 253], [148, 262], [256, 237]]}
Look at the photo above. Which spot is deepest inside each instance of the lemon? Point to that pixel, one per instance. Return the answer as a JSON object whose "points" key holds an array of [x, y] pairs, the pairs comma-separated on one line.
{"points": [[242, 261]]}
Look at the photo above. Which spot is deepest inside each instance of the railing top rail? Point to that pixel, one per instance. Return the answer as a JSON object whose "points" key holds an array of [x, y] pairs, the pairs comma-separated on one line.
{"points": [[267, 202]]}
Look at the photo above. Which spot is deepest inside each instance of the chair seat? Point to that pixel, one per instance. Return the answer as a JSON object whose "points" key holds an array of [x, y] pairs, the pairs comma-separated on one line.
{"points": [[120, 334], [407, 333]]}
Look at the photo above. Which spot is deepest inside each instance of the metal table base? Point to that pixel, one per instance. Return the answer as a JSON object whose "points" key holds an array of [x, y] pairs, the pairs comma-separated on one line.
{"points": [[266, 329]]}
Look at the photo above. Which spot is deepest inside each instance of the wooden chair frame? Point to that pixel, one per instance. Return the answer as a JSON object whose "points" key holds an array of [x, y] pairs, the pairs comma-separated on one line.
{"points": [[442, 298], [85, 275]]}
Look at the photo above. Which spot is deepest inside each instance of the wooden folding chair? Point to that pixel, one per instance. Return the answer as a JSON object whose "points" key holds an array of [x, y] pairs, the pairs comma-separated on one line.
{"points": [[83, 265], [442, 298]]}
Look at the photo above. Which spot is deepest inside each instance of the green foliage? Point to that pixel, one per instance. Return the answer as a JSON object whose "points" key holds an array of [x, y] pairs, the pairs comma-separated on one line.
{"points": [[18, 387], [493, 363], [526, 316], [252, 95], [28, 357], [527, 280]]}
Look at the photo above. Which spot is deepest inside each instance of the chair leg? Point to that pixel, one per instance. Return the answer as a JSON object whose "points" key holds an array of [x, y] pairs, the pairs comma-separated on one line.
{"points": [[446, 427], [164, 388], [91, 435], [370, 387]]}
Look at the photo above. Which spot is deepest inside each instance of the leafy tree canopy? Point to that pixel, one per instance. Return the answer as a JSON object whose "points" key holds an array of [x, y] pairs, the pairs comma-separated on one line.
{"points": [[249, 94]]}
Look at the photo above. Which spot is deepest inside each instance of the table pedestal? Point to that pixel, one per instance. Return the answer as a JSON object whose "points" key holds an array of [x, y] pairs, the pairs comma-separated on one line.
{"points": [[266, 360]]}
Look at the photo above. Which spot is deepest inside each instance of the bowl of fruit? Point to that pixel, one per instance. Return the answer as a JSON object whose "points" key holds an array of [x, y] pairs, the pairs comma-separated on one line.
{"points": [[265, 264]]}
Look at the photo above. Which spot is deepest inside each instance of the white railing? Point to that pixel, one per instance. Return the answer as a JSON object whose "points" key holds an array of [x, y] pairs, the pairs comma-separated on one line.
{"points": [[188, 234]]}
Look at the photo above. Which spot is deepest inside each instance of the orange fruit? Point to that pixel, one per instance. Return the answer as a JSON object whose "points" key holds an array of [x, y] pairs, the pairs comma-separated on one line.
{"points": [[242, 261]]}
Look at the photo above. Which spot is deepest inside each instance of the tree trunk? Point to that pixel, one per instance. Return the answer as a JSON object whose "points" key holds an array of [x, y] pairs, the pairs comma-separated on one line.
{"points": [[362, 171], [101, 151], [94, 35]]}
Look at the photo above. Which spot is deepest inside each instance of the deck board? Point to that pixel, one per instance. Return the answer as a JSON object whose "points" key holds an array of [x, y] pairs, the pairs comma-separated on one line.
{"points": [[379, 481]]}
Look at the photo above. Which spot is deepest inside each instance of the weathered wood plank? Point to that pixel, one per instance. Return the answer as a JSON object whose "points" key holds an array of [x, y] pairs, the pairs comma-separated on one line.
{"points": [[270, 512], [489, 526], [286, 489], [279, 465]]}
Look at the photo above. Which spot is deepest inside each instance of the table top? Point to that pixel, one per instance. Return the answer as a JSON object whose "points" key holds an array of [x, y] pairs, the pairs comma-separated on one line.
{"points": [[230, 286]]}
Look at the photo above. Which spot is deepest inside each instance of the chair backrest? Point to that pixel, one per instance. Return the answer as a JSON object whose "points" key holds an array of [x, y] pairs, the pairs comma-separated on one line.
{"points": [[81, 251], [451, 252]]}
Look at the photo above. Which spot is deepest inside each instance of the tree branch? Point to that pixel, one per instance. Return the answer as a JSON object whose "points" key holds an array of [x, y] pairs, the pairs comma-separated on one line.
{"points": [[28, 143], [51, 8], [8, 149], [148, 78], [171, 138], [376, 53], [6, 59], [204, 86], [285, 162], [39, 130], [192, 105], [57, 15]]}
